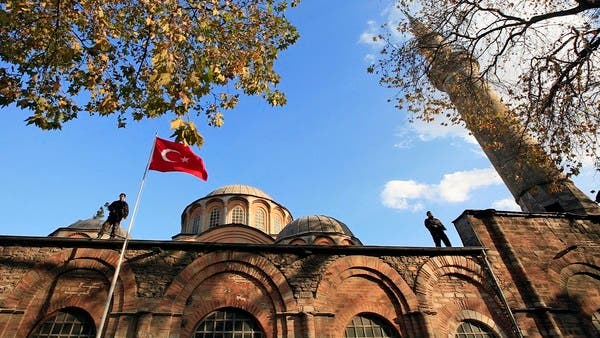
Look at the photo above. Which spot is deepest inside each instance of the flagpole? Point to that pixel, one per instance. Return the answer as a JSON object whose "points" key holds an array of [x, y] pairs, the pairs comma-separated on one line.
{"points": [[125, 242]]}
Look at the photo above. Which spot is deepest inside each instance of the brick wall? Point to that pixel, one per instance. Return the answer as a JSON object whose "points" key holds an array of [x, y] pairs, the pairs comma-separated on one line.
{"points": [[166, 288], [547, 264]]}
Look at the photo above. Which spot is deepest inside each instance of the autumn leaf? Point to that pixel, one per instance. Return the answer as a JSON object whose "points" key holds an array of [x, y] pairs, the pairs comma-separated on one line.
{"points": [[542, 57], [140, 59]]}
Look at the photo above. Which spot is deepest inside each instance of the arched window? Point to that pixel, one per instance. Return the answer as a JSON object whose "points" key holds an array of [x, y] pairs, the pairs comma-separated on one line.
{"points": [[298, 241], [197, 224], [369, 326], [323, 240], [596, 320], [259, 219], [238, 215], [473, 329], [276, 224], [346, 242], [228, 322], [215, 217], [66, 323]]}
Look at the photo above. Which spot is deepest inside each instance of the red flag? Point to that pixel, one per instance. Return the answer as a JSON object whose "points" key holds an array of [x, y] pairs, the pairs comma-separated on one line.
{"points": [[173, 156]]}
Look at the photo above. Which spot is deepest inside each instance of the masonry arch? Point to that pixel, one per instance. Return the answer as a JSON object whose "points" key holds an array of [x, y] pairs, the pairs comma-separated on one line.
{"points": [[85, 273], [384, 293], [239, 280], [462, 278], [572, 265], [579, 280]]}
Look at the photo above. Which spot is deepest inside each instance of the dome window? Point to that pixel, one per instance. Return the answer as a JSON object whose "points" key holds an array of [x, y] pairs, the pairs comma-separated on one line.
{"points": [[238, 216], [276, 224], [259, 219], [197, 224], [215, 217]]}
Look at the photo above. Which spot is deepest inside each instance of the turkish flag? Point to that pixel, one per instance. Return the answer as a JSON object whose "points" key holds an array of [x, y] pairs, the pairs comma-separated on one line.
{"points": [[173, 156]]}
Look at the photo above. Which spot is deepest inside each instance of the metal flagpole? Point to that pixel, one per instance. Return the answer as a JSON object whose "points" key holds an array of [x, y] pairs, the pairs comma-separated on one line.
{"points": [[118, 269]]}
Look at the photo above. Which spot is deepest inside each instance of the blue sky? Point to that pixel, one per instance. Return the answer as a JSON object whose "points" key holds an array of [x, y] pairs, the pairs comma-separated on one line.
{"points": [[338, 148]]}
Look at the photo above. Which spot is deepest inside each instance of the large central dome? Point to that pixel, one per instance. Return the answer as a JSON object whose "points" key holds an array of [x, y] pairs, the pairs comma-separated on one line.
{"points": [[239, 189], [236, 204]]}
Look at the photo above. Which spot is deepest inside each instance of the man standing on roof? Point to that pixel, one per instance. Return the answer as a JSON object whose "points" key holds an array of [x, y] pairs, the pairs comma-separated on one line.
{"points": [[436, 228], [118, 211]]}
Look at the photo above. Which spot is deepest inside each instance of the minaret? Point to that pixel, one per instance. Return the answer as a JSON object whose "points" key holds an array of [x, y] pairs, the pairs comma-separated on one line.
{"points": [[532, 178]]}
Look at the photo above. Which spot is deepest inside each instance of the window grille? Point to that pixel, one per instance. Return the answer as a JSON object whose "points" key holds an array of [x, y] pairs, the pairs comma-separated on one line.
{"points": [[232, 323], [472, 329], [215, 217], [369, 326], [259, 220], [238, 216], [66, 324]]}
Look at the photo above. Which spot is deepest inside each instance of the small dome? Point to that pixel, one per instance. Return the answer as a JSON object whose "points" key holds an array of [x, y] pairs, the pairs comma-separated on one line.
{"points": [[239, 189], [87, 224], [313, 225], [84, 228]]}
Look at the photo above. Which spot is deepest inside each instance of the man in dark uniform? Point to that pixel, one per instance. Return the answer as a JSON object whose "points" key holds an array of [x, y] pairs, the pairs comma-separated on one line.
{"points": [[436, 228], [117, 211]]}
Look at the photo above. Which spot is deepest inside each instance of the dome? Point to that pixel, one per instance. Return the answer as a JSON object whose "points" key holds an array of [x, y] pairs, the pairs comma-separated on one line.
{"points": [[87, 224], [235, 204], [84, 228], [239, 189], [315, 225]]}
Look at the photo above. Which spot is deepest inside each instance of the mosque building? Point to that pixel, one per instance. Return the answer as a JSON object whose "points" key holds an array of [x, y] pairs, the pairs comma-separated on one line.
{"points": [[242, 266]]}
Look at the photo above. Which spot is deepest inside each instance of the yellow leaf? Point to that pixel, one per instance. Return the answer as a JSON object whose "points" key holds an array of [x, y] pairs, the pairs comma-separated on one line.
{"points": [[177, 123], [164, 78]]}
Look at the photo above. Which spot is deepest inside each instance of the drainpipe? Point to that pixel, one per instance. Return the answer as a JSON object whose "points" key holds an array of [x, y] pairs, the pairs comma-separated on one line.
{"points": [[516, 329]]}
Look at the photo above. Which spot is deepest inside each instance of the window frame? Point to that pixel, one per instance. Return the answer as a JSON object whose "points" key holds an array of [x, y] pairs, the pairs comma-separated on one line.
{"points": [[277, 224], [213, 220], [263, 214], [483, 330], [241, 212], [231, 321], [65, 319], [370, 322]]}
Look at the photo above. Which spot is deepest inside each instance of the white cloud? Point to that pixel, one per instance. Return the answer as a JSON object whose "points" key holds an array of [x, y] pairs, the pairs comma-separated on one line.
{"points": [[589, 178], [370, 59], [507, 204], [370, 36], [396, 194], [427, 131], [454, 187], [423, 131], [403, 144]]}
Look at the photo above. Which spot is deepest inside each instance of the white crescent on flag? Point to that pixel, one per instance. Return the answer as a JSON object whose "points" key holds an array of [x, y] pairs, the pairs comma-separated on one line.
{"points": [[164, 153]]}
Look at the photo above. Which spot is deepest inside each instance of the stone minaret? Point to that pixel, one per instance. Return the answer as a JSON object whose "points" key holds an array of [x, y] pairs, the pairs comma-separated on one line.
{"points": [[534, 181]]}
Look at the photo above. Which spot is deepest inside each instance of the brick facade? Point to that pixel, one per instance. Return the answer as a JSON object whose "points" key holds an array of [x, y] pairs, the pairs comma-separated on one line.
{"points": [[548, 266], [545, 267]]}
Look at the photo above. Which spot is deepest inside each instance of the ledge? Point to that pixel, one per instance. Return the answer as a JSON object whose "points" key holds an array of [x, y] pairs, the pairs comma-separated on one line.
{"points": [[494, 212], [155, 245]]}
